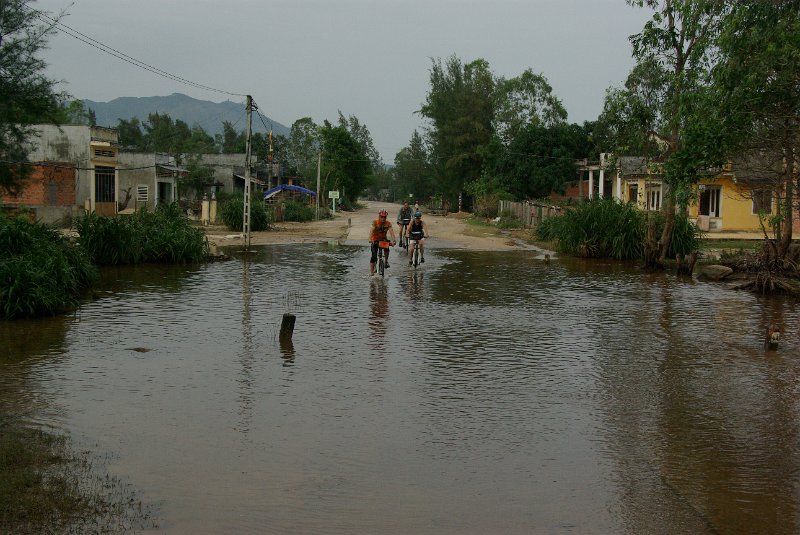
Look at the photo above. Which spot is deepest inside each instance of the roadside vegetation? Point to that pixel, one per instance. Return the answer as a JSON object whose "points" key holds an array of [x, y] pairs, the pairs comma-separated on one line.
{"points": [[508, 220], [232, 213], [49, 488], [160, 236], [41, 273], [606, 228], [263, 216], [297, 211]]}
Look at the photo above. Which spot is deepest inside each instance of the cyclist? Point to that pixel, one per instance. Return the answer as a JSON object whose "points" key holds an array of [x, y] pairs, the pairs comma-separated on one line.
{"points": [[403, 219], [417, 232], [380, 228]]}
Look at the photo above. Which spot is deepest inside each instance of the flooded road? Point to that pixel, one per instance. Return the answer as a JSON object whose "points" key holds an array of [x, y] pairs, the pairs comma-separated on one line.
{"points": [[487, 392]]}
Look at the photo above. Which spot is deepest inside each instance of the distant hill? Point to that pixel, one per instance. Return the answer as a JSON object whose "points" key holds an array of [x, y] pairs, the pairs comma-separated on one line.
{"points": [[208, 115]]}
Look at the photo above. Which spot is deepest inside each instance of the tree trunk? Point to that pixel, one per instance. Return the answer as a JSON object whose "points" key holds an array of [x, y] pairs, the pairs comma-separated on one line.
{"points": [[651, 247], [666, 235], [786, 235]]}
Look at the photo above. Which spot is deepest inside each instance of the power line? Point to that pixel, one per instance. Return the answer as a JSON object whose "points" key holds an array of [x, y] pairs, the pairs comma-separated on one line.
{"points": [[121, 55]]}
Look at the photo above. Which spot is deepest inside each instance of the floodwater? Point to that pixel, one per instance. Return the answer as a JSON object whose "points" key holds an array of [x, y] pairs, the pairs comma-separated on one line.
{"points": [[483, 393]]}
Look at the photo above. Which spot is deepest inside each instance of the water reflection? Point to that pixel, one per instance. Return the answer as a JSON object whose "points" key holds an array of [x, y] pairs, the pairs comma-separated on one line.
{"points": [[379, 309], [247, 353], [287, 351], [510, 396], [25, 339]]}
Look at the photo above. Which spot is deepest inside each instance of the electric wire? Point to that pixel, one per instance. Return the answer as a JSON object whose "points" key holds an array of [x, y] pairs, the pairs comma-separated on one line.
{"points": [[122, 56]]}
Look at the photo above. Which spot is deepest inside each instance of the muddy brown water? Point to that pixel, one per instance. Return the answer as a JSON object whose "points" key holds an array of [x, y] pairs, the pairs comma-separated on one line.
{"points": [[482, 393]]}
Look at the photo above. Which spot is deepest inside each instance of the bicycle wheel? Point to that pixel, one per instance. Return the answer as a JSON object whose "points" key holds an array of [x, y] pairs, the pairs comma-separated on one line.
{"points": [[415, 254], [381, 262]]}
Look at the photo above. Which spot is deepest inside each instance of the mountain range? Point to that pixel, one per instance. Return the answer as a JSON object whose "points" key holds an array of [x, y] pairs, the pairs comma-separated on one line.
{"points": [[208, 115]]}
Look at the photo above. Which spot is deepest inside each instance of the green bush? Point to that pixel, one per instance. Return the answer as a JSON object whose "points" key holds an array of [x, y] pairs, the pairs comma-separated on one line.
{"points": [[686, 237], [607, 228], [41, 273], [296, 211], [161, 236], [232, 212], [547, 229], [603, 228]]}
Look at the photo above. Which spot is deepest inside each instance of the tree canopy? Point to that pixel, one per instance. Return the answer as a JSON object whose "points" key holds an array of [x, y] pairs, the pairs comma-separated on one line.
{"points": [[27, 96], [345, 166], [757, 88], [665, 112], [493, 133]]}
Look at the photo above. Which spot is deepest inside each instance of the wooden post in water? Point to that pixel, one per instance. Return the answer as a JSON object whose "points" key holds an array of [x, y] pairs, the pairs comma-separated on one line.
{"points": [[287, 327]]}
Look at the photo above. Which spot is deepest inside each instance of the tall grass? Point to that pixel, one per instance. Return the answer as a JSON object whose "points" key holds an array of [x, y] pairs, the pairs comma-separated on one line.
{"points": [[41, 273], [232, 212], [161, 236], [48, 487], [607, 228], [602, 228], [297, 211], [686, 236]]}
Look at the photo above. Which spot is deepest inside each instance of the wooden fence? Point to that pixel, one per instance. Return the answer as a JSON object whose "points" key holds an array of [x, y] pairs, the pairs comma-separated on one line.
{"points": [[531, 213]]}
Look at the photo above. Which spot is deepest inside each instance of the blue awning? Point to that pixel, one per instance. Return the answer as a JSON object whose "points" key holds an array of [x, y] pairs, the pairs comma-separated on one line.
{"points": [[280, 187]]}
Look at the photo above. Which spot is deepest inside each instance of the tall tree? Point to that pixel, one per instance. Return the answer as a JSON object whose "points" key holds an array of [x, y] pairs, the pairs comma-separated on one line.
{"points": [[671, 82], [200, 141], [198, 176], [525, 100], [280, 152], [412, 170], [360, 133], [131, 137], [27, 96], [75, 112], [758, 83], [304, 144], [231, 141], [541, 159], [344, 165], [159, 133], [460, 108]]}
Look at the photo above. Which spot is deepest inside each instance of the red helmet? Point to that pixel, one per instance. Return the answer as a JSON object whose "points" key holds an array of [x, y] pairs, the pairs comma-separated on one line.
{"points": [[383, 213]]}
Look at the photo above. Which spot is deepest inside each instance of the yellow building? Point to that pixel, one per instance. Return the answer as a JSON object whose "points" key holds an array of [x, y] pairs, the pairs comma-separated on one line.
{"points": [[720, 202]]}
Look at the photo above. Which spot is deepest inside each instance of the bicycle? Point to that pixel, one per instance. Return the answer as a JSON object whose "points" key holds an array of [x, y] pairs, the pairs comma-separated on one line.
{"points": [[383, 251], [404, 233], [414, 258]]}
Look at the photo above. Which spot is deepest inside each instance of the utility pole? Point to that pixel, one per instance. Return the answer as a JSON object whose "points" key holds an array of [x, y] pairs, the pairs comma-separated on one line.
{"points": [[319, 164], [246, 215], [270, 161]]}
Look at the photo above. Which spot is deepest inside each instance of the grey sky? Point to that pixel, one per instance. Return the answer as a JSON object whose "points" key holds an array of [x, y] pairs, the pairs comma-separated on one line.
{"points": [[368, 58]]}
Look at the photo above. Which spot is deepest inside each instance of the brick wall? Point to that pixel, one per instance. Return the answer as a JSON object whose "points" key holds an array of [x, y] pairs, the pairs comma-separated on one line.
{"points": [[36, 188]]}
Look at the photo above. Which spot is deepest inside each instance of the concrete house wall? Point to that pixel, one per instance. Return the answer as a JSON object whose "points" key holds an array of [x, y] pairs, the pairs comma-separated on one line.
{"points": [[88, 148], [150, 177]]}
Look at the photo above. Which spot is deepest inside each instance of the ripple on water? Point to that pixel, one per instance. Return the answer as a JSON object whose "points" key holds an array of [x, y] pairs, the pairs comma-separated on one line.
{"points": [[482, 392]]}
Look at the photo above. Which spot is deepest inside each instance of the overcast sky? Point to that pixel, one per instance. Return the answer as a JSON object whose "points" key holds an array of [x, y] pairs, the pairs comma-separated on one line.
{"points": [[368, 58]]}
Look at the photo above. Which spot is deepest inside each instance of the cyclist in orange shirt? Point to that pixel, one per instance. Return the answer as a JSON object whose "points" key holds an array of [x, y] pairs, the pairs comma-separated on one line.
{"points": [[379, 231]]}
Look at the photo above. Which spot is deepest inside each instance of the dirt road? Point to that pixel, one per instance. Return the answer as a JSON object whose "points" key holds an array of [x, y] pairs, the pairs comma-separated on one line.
{"points": [[352, 228]]}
